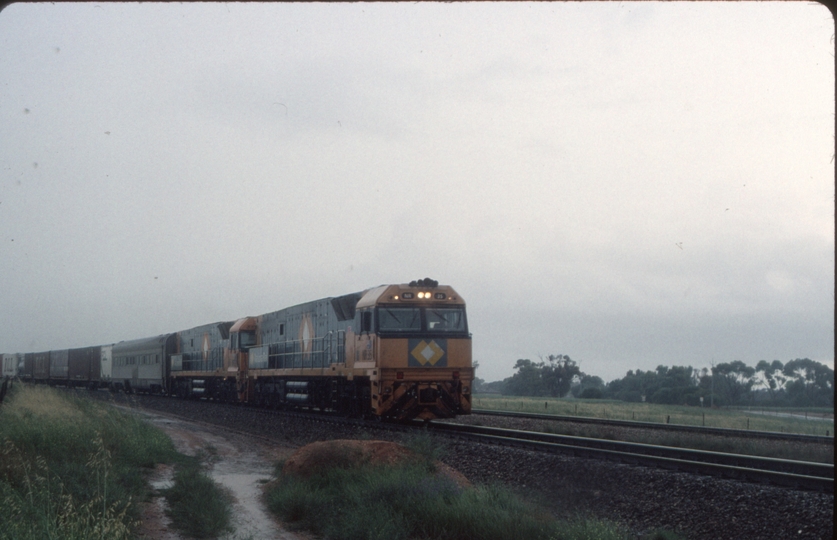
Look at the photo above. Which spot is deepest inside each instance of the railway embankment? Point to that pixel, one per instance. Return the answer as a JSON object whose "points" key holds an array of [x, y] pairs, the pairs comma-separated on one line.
{"points": [[641, 498], [71, 468]]}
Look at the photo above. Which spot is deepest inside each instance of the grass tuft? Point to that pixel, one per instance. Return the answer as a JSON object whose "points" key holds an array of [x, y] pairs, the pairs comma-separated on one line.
{"points": [[198, 506]]}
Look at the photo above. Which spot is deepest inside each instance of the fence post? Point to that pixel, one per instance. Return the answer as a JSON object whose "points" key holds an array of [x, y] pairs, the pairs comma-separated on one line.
{"points": [[704, 420], [668, 419], [748, 422]]}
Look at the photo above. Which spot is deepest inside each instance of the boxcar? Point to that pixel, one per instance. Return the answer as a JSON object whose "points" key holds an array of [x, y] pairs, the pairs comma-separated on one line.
{"points": [[84, 367], [27, 371], [58, 366], [40, 371], [11, 363]]}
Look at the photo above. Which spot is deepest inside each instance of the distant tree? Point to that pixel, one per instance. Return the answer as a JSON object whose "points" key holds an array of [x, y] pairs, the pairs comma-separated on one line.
{"points": [[527, 380], [558, 374], [772, 378], [810, 383], [551, 377], [495, 387], [631, 387], [591, 393], [585, 382], [733, 381], [671, 385]]}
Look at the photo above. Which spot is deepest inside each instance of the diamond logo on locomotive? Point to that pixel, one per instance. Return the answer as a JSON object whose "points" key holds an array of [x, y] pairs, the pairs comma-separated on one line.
{"points": [[423, 353]]}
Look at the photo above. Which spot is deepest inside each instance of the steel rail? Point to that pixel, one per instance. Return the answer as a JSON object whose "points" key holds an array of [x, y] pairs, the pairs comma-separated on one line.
{"points": [[789, 473], [668, 427]]}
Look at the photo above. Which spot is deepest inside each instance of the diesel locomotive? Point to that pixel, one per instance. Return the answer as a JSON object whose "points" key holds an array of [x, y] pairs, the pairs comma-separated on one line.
{"points": [[395, 352]]}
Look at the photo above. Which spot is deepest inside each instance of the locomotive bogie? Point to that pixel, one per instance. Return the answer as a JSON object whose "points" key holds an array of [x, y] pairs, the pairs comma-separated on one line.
{"points": [[338, 394]]}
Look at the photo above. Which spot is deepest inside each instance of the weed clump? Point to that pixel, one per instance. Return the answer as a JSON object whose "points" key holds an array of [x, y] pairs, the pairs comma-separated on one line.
{"points": [[407, 499], [197, 505]]}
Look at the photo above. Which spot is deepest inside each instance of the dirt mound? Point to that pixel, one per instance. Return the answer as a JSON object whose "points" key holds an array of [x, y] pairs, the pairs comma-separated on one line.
{"points": [[343, 453]]}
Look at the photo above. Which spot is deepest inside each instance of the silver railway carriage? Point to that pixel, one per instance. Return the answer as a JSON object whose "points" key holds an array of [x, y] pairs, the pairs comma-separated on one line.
{"points": [[142, 365]]}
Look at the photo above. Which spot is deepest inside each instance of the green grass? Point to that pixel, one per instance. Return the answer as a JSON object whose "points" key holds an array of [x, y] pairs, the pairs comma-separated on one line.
{"points": [[409, 501], [755, 418], [71, 468], [198, 506]]}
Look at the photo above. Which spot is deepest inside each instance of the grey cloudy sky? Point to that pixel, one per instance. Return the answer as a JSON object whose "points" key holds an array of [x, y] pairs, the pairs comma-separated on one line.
{"points": [[631, 184]]}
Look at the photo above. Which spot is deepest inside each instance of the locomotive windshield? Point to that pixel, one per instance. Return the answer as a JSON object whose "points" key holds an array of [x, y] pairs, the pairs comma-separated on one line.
{"points": [[399, 319], [445, 319], [414, 320]]}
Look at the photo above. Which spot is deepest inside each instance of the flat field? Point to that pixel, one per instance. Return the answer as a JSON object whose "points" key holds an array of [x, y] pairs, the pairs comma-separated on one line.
{"points": [[814, 421]]}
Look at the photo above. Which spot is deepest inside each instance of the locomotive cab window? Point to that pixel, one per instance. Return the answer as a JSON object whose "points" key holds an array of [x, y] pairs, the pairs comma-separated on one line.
{"points": [[445, 320], [366, 321], [424, 320], [399, 319], [242, 340]]}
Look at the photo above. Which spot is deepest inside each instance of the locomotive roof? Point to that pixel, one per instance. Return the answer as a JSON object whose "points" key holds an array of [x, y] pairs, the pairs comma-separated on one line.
{"points": [[396, 294]]}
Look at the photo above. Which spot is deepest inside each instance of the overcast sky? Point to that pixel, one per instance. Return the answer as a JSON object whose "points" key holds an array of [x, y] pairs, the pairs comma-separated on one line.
{"points": [[630, 184]]}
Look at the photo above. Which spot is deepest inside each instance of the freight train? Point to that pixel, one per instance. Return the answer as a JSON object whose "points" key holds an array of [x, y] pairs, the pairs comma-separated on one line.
{"points": [[395, 352]]}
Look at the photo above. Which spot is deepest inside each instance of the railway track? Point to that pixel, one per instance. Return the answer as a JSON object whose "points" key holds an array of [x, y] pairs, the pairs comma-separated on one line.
{"points": [[800, 475], [744, 433], [789, 473]]}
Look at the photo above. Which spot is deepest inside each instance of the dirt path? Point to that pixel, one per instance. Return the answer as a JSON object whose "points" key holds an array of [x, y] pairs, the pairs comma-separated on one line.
{"points": [[239, 463]]}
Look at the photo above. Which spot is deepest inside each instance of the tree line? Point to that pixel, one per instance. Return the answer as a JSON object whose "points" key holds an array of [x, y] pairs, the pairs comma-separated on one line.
{"points": [[796, 383]]}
